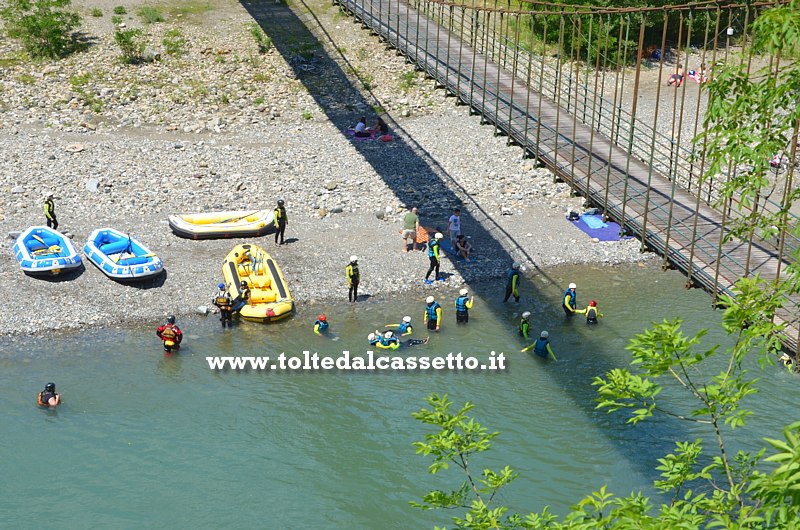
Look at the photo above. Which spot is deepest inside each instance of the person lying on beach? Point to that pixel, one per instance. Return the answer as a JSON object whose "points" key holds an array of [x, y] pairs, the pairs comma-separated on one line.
{"points": [[676, 79]]}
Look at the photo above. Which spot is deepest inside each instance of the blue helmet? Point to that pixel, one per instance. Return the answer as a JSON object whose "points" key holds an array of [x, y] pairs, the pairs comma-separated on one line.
{"points": [[221, 286]]}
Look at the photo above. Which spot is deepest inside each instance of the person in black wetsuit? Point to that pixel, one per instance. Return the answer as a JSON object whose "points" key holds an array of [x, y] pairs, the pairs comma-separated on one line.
{"points": [[49, 397], [280, 221]]}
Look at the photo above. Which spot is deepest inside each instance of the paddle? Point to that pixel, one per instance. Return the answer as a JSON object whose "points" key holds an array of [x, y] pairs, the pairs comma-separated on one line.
{"points": [[240, 218]]}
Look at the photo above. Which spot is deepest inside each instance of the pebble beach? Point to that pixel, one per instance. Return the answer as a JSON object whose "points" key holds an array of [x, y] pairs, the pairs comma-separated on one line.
{"points": [[127, 145]]}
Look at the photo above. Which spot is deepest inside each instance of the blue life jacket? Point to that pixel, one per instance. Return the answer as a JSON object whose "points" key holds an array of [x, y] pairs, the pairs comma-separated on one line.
{"points": [[434, 243], [591, 314], [431, 309], [510, 277], [390, 341], [404, 327], [541, 347], [461, 304], [573, 301], [374, 341], [322, 325]]}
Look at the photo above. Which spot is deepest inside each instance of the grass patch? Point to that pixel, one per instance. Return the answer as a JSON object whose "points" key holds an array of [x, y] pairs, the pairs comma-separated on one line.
{"points": [[263, 41], [174, 42], [26, 79], [150, 15], [120, 10], [258, 101], [408, 80], [97, 13], [307, 115], [367, 81], [116, 20], [262, 77], [188, 8], [8, 62], [80, 79], [224, 99]]}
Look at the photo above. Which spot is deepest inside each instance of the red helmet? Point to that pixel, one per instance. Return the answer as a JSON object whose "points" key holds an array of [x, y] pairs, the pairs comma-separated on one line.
{"points": [[322, 318], [592, 303]]}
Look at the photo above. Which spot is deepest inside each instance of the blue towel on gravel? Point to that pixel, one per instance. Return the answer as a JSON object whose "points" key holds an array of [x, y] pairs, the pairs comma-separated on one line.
{"points": [[594, 221]]}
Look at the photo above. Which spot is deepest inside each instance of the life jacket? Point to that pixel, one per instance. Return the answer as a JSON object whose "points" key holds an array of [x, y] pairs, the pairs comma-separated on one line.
{"points": [[404, 327], [169, 333], [433, 244], [510, 277], [461, 304], [591, 314], [223, 300], [42, 401], [573, 300], [49, 208], [322, 325], [374, 341], [431, 309], [355, 275], [280, 215], [524, 324], [389, 341], [541, 347]]}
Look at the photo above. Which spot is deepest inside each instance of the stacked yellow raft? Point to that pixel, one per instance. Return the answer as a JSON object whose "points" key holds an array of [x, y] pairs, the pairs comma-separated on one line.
{"points": [[215, 225], [269, 294]]}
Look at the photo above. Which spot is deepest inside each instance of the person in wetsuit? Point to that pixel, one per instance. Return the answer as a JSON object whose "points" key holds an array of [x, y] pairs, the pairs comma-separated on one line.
{"points": [[591, 312], [433, 255], [223, 301], [49, 397], [170, 334], [280, 221], [463, 305], [353, 276], [321, 324], [569, 300], [433, 313], [512, 282]]}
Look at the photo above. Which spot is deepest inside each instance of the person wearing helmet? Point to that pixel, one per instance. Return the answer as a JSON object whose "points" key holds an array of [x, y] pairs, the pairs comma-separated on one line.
{"points": [[569, 301], [525, 324], [225, 304], [591, 312], [374, 339], [433, 314], [463, 305], [321, 324], [49, 397], [388, 341], [170, 334], [433, 255], [353, 277], [50, 212], [542, 347], [512, 282], [243, 298], [404, 328], [280, 221]]}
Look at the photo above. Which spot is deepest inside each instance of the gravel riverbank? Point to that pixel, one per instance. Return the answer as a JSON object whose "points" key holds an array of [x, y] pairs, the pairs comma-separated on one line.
{"points": [[130, 162]]}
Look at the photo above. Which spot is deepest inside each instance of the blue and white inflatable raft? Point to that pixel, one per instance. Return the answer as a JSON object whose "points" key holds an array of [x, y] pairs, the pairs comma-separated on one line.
{"points": [[42, 250], [120, 256]]}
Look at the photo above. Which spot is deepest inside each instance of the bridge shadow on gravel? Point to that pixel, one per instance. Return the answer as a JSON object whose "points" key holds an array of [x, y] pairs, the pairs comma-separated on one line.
{"points": [[419, 180]]}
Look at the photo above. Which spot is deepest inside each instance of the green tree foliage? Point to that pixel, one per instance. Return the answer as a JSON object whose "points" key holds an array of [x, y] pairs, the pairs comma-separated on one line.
{"points": [[44, 27], [752, 117]]}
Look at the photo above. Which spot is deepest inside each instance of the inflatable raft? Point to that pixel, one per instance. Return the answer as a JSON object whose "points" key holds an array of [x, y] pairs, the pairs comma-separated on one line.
{"points": [[42, 250], [269, 294], [120, 256], [217, 225]]}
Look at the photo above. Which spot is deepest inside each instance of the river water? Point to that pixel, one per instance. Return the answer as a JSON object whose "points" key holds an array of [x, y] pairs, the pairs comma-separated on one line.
{"points": [[144, 439]]}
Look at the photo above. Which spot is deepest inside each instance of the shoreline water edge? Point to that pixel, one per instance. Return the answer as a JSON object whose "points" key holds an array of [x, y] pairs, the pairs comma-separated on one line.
{"points": [[138, 158]]}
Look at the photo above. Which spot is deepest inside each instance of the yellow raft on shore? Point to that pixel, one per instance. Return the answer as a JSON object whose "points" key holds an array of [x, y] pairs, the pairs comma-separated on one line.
{"points": [[269, 294], [213, 225]]}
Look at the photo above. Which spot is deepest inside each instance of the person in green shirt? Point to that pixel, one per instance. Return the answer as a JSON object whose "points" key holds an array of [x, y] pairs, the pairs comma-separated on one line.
{"points": [[410, 226]]}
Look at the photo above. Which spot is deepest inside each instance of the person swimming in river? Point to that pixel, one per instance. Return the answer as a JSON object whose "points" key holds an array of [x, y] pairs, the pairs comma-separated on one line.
{"points": [[404, 328], [389, 341], [321, 324]]}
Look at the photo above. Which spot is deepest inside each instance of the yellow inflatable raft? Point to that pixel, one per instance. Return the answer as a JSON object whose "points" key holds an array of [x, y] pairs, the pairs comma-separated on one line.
{"points": [[269, 294], [242, 223]]}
